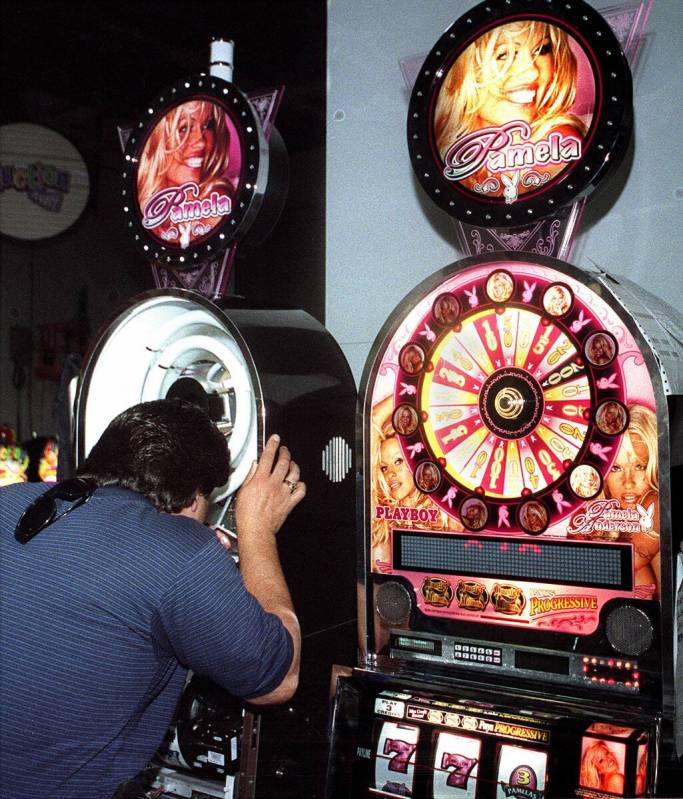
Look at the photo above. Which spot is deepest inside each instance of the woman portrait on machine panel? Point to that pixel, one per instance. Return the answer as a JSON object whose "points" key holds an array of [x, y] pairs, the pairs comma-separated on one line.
{"points": [[533, 517], [600, 349], [190, 144], [474, 514], [557, 300], [611, 418], [500, 286], [393, 485], [585, 481], [411, 358], [600, 769], [428, 477], [632, 483], [446, 309], [633, 480], [404, 420], [519, 71]]}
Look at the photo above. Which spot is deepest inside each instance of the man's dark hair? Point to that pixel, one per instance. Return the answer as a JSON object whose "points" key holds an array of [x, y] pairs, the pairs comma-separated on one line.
{"points": [[168, 450]]}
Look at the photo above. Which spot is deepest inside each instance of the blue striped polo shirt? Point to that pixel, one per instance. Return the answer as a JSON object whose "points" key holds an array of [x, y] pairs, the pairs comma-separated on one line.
{"points": [[101, 615]]}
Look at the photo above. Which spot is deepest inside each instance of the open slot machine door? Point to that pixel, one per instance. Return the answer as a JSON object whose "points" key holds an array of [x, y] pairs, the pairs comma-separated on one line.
{"points": [[255, 372]]}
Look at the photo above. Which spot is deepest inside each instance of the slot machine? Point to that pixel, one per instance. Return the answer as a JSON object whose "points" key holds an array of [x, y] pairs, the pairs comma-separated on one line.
{"points": [[255, 371], [518, 426], [517, 582]]}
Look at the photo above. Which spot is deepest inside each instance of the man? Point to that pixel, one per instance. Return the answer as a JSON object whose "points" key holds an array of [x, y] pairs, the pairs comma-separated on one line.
{"points": [[104, 610]]}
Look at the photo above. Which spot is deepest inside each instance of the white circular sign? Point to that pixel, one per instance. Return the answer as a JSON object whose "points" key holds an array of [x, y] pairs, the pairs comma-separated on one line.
{"points": [[44, 182]]}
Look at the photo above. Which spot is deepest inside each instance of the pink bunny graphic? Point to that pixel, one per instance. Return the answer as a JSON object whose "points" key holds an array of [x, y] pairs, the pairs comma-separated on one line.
{"points": [[510, 190], [528, 292], [185, 231], [646, 517], [577, 324], [608, 382], [472, 297]]}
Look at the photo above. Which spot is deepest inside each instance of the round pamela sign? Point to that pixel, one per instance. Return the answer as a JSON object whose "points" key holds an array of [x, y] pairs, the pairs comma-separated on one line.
{"points": [[195, 172], [521, 107]]}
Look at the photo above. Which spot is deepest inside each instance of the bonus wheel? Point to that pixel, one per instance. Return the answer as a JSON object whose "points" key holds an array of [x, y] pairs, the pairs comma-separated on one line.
{"points": [[519, 398], [495, 412]]}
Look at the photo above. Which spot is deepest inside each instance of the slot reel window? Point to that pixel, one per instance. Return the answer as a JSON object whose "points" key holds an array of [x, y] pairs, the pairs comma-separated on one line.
{"points": [[395, 754], [455, 765]]}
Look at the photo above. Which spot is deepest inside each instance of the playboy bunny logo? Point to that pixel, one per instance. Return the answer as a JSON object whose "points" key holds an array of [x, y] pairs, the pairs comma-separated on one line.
{"points": [[510, 190], [560, 501], [577, 324], [184, 228], [608, 382], [528, 292], [428, 333], [449, 496], [600, 451], [415, 449], [646, 517], [472, 297]]}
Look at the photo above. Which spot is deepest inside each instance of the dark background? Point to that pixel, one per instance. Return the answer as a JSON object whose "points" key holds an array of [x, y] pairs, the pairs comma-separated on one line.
{"points": [[84, 68]]}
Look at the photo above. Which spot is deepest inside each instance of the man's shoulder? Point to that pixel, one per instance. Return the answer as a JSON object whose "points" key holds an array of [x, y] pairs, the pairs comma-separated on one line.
{"points": [[125, 508], [22, 490], [14, 499]]}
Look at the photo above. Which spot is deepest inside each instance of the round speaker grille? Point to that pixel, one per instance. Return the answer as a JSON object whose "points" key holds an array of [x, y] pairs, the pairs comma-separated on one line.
{"points": [[629, 630], [393, 602]]}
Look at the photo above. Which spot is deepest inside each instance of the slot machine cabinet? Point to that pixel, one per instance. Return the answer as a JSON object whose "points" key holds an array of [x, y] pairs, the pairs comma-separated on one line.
{"points": [[255, 372], [517, 548]]}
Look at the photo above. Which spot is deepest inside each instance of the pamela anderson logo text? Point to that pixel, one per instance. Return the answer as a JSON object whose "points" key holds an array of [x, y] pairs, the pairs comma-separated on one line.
{"points": [[603, 516], [175, 202], [494, 149]]}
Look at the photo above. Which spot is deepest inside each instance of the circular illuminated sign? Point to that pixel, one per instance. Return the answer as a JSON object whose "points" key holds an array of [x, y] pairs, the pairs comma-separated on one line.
{"points": [[195, 172], [520, 108], [44, 184]]}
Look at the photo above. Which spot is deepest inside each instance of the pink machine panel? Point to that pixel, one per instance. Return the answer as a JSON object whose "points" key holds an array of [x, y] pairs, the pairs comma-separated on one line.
{"points": [[511, 434]]}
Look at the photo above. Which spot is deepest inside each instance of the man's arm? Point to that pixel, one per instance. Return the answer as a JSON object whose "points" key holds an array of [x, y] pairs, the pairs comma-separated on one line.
{"points": [[271, 490]]}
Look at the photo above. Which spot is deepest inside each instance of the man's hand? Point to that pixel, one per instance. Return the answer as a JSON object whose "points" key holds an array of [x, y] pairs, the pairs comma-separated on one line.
{"points": [[264, 501], [269, 493]]}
